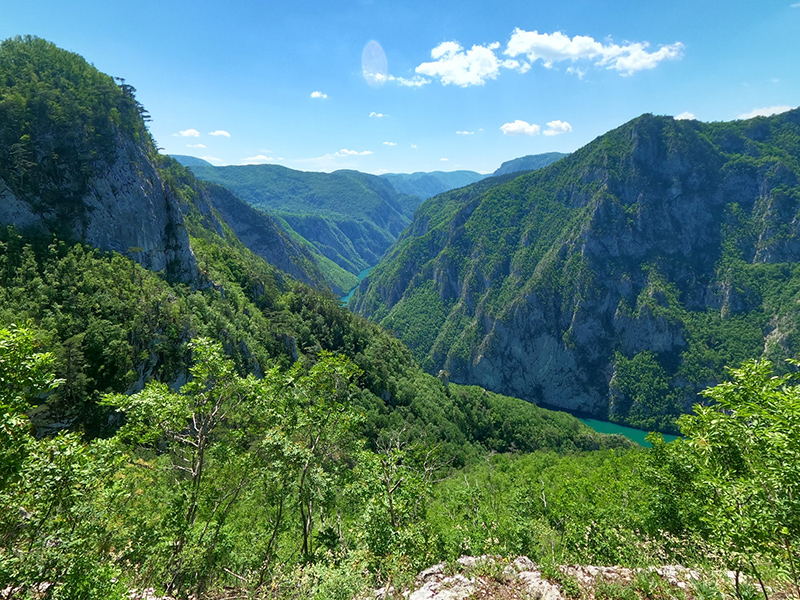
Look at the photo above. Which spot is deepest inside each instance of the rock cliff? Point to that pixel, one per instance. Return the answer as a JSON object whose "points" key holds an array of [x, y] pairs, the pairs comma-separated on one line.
{"points": [[618, 281]]}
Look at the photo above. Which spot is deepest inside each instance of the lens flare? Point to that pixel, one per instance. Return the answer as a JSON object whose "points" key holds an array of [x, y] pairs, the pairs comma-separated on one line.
{"points": [[374, 65]]}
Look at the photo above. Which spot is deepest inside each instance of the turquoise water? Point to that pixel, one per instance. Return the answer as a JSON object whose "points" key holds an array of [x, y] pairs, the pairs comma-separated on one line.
{"points": [[345, 299], [637, 435]]}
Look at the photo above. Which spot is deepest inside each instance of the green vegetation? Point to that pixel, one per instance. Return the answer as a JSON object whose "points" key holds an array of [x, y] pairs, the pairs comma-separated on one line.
{"points": [[44, 91], [264, 485], [351, 218], [644, 263], [240, 434]]}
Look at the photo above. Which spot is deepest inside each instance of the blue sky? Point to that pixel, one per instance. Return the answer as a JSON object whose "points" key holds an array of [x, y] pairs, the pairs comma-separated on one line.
{"points": [[402, 86]]}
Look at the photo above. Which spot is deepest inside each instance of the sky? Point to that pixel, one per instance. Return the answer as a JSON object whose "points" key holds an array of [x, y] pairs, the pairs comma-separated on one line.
{"points": [[422, 85]]}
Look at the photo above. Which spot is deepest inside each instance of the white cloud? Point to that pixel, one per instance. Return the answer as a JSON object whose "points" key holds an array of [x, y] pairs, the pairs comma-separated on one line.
{"points": [[414, 146], [318, 95], [187, 133], [557, 127], [796, 5], [220, 132], [257, 160], [212, 159], [551, 48], [346, 152], [415, 81], [452, 64], [389, 144], [765, 112], [444, 159], [465, 133], [581, 73], [195, 145], [377, 115], [685, 116], [519, 127]]}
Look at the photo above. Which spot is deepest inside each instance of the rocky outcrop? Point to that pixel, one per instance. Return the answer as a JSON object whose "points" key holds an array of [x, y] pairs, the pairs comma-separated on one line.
{"points": [[501, 578], [126, 208]]}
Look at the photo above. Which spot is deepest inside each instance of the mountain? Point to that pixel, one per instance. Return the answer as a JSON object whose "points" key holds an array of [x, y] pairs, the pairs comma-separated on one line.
{"points": [[191, 161], [618, 281], [77, 161], [351, 218], [426, 185], [530, 162]]}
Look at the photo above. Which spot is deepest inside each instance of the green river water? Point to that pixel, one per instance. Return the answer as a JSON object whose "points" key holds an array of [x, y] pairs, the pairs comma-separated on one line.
{"points": [[364, 273], [637, 435]]}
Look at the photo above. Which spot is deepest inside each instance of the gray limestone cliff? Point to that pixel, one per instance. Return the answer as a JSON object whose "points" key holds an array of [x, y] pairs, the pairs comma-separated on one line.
{"points": [[618, 281]]}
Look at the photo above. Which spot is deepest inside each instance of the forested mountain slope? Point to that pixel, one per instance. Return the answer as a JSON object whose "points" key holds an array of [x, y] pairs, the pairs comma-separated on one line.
{"points": [[112, 325], [77, 161], [349, 217], [531, 162], [618, 281]]}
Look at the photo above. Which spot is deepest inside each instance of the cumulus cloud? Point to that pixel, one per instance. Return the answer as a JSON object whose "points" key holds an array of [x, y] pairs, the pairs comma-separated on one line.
{"points": [[318, 95], [187, 133], [346, 152], [519, 127], [195, 145], [550, 48], [213, 159], [465, 133], [557, 127], [685, 116], [389, 144], [444, 159], [377, 115], [414, 146], [257, 160], [454, 65], [220, 132], [765, 112]]}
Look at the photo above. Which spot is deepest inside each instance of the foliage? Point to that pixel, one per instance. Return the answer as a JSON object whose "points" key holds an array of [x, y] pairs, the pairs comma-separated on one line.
{"points": [[733, 480], [60, 122]]}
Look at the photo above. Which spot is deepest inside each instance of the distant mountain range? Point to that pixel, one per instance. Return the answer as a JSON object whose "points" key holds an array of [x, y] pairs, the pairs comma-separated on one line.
{"points": [[427, 185], [617, 281], [528, 163]]}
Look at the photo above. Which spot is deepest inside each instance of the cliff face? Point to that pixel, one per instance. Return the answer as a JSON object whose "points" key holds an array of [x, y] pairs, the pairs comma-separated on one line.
{"points": [[126, 208], [656, 254], [76, 159]]}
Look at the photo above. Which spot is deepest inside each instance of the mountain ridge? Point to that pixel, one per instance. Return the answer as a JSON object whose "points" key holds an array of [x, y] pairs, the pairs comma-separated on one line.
{"points": [[564, 284]]}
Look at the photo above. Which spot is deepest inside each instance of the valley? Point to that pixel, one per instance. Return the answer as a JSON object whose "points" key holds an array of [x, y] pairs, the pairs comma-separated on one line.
{"points": [[187, 410]]}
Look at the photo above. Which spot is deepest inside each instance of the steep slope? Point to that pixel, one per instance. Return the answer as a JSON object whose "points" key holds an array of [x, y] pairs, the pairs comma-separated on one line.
{"points": [[350, 217], [618, 281], [77, 161], [531, 162]]}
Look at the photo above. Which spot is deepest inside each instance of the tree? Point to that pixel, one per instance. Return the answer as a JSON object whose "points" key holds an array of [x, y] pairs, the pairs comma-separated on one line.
{"points": [[741, 460]]}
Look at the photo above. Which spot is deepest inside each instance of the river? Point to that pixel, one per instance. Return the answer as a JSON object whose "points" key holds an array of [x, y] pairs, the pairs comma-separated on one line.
{"points": [[637, 435], [346, 298]]}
